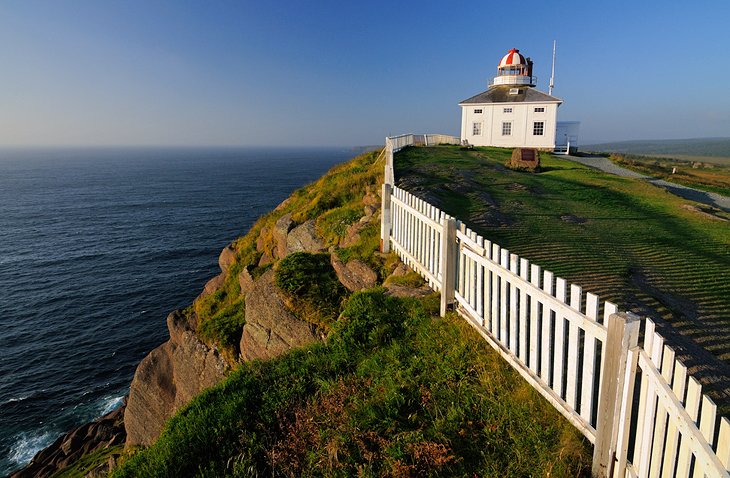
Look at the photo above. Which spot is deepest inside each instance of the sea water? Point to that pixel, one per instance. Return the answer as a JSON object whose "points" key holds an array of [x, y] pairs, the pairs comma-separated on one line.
{"points": [[97, 246]]}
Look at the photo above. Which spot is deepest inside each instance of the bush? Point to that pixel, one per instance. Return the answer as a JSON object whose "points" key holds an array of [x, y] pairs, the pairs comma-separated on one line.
{"points": [[311, 281], [225, 327]]}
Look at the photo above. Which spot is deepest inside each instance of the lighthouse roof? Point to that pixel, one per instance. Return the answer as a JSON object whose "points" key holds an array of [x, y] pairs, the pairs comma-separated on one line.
{"points": [[512, 58], [511, 94]]}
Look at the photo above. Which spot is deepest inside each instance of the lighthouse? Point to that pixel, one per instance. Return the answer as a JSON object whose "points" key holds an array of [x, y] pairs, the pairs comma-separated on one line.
{"points": [[512, 112]]}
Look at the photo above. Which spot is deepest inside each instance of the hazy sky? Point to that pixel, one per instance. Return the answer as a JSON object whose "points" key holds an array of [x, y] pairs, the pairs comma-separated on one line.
{"points": [[348, 72]]}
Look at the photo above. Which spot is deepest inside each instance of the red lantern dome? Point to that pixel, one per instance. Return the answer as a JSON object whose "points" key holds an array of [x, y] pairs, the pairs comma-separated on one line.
{"points": [[512, 58]]}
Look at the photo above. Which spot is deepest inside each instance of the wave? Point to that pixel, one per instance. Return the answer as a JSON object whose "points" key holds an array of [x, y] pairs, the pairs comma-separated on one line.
{"points": [[28, 444]]}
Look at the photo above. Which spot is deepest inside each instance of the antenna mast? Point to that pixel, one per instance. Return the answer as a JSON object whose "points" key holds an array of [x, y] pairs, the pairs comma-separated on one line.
{"points": [[552, 75]]}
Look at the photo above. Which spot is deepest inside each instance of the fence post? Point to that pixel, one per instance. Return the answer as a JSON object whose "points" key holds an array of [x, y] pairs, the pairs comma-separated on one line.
{"points": [[623, 335], [389, 173], [385, 219], [448, 262]]}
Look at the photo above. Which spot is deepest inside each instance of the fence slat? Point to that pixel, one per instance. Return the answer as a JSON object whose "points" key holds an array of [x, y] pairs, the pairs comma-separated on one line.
{"points": [[503, 288], [639, 447], [723, 443], [525, 274], [513, 267], [651, 408], [679, 383], [547, 351], [576, 295], [480, 285], [535, 274], [692, 405], [707, 428], [561, 289], [588, 391], [495, 293], [660, 422]]}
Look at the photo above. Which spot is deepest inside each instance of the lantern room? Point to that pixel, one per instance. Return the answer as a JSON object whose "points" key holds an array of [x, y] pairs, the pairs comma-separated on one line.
{"points": [[514, 69]]}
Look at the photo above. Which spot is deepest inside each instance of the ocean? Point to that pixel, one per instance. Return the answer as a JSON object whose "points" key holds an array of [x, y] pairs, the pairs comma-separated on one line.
{"points": [[97, 246]]}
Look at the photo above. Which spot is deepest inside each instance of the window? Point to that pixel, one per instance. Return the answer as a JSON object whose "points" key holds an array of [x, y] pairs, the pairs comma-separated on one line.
{"points": [[538, 127], [478, 111], [506, 128], [476, 129], [540, 110], [507, 110]]}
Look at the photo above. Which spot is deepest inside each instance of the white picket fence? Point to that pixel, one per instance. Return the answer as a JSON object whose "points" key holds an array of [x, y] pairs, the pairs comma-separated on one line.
{"points": [[635, 403]]}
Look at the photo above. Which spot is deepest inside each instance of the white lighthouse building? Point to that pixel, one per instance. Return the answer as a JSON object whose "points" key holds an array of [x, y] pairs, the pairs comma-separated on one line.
{"points": [[512, 113]]}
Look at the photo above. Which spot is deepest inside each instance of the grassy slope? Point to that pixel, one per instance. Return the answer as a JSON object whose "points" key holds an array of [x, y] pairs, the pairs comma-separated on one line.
{"points": [[715, 178], [394, 392], [638, 246]]}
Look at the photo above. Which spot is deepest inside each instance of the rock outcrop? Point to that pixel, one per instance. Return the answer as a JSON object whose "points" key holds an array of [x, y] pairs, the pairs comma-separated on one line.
{"points": [[168, 377], [105, 432], [271, 329], [304, 238], [280, 233], [355, 275]]}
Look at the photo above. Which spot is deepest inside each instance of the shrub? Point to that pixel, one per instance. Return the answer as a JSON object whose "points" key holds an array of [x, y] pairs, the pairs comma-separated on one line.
{"points": [[225, 327], [311, 281]]}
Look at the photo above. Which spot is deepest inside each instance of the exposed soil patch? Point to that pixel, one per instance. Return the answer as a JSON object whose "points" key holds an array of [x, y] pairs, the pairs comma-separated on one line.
{"points": [[704, 212]]}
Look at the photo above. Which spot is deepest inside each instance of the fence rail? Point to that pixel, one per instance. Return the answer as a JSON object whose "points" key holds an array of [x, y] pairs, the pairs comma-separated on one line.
{"points": [[635, 403]]}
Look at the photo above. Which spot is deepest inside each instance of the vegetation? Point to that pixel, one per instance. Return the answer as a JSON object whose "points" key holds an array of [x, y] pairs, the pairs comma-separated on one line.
{"points": [[624, 239], [335, 201], [705, 176], [86, 464], [393, 392], [312, 284]]}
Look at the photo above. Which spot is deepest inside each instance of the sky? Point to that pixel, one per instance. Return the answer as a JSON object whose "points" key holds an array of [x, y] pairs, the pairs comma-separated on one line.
{"points": [[346, 73]]}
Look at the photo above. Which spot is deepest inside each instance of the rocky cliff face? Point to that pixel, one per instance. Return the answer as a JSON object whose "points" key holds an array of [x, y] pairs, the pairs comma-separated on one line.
{"points": [[106, 432], [168, 377]]}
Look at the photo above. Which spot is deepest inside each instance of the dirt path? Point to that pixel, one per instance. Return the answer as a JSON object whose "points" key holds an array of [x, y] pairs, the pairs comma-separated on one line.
{"points": [[711, 199]]}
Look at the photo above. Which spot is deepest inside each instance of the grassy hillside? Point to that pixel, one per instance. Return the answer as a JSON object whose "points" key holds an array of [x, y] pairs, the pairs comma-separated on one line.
{"points": [[394, 390], [694, 173], [623, 239]]}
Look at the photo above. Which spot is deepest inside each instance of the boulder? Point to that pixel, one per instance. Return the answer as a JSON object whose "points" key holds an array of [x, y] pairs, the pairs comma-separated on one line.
{"points": [[355, 275], [271, 329], [213, 284], [100, 434], [281, 230], [245, 280], [226, 258], [304, 238], [525, 159], [352, 236], [168, 377]]}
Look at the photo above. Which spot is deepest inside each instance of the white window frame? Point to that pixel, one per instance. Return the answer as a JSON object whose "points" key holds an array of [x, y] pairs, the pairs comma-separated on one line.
{"points": [[478, 111], [476, 128], [506, 128], [539, 109], [506, 110], [540, 128]]}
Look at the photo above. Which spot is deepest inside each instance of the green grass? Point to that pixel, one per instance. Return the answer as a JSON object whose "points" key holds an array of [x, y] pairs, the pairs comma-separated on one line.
{"points": [[700, 175], [87, 463], [623, 239], [335, 201], [311, 282], [394, 392]]}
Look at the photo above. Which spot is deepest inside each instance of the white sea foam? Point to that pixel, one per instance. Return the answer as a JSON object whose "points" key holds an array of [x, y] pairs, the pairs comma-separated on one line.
{"points": [[111, 404], [28, 444]]}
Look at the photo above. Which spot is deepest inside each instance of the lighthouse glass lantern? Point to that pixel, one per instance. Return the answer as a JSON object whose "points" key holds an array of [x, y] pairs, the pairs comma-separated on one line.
{"points": [[514, 69]]}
